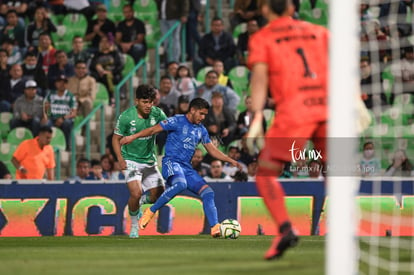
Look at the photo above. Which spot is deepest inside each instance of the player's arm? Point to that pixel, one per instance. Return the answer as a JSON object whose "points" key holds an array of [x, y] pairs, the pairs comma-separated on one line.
{"points": [[116, 145], [144, 133], [216, 153], [50, 173], [259, 86]]}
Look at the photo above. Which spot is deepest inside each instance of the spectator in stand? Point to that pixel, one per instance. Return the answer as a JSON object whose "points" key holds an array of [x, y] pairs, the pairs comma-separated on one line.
{"points": [[220, 120], [61, 106], [315, 169], [198, 164], [34, 158], [13, 30], [216, 173], [78, 53], [97, 172], [57, 6], [369, 165], [245, 117], [13, 52], [216, 45], [107, 64], [407, 68], [252, 170], [234, 153], [245, 156], [4, 172], [20, 6], [33, 70], [183, 105], [245, 10], [401, 166], [185, 84], [83, 166], [46, 52], [205, 91], [130, 35], [4, 66], [62, 67], [368, 93], [243, 40], [109, 169], [168, 95], [40, 24], [13, 86], [172, 68], [170, 12], [157, 103], [80, 6], [207, 157], [99, 28], [223, 80], [193, 37], [28, 109], [83, 87]]}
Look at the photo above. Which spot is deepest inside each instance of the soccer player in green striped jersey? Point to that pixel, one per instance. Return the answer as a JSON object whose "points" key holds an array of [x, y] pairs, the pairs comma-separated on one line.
{"points": [[138, 159]]}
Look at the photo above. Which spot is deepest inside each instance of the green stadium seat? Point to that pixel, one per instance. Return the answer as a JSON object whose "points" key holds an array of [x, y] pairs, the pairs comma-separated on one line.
{"points": [[77, 24], [62, 39], [102, 95], [403, 99], [19, 134], [153, 34], [6, 151], [317, 15], [58, 139], [5, 118], [115, 10], [388, 82], [146, 10], [239, 77], [240, 28], [129, 64], [201, 74]]}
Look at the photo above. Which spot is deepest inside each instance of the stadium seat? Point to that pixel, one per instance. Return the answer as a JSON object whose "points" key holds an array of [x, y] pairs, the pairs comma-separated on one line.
{"points": [[102, 95], [58, 139], [201, 74], [239, 77], [17, 135], [5, 118], [403, 99], [392, 116], [240, 28], [153, 34], [6, 151], [76, 23], [129, 64], [115, 10], [62, 39], [146, 10], [317, 15], [388, 82]]}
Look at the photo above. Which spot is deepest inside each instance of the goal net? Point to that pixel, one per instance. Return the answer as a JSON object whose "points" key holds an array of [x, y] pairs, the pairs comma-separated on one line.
{"points": [[371, 211]]}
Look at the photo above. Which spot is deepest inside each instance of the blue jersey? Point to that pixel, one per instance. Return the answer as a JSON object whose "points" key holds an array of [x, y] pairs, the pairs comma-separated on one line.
{"points": [[183, 138]]}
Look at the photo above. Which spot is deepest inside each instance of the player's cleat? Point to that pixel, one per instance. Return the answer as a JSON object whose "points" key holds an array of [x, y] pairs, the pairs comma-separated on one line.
{"points": [[134, 233], [215, 231], [146, 217], [280, 244]]}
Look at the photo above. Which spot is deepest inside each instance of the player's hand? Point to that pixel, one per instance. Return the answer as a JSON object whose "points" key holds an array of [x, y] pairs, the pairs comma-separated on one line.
{"points": [[126, 140], [238, 165], [122, 164], [254, 137]]}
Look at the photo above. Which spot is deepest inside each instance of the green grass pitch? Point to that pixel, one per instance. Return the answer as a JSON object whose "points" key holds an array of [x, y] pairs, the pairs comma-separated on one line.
{"points": [[156, 255]]}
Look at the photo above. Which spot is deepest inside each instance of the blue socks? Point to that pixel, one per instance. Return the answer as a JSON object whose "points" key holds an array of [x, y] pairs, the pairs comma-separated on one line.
{"points": [[209, 206], [178, 184]]}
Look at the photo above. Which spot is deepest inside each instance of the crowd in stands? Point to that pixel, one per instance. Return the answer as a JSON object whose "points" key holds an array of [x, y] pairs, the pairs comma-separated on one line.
{"points": [[42, 83]]}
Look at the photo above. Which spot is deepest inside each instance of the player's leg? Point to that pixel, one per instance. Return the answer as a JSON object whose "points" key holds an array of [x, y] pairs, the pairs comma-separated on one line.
{"points": [[199, 186], [152, 185], [176, 182], [135, 192]]}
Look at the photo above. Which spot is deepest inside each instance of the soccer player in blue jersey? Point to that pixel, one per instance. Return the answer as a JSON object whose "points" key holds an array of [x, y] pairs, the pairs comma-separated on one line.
{"points": [[185, 132]]}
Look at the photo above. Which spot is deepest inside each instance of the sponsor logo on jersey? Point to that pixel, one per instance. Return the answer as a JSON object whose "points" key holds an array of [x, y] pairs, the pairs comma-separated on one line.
{"points": [[133, 123], [152, 121]]}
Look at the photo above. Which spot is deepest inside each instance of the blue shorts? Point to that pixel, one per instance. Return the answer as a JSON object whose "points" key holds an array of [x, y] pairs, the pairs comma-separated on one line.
{"points": [[194, 180]]}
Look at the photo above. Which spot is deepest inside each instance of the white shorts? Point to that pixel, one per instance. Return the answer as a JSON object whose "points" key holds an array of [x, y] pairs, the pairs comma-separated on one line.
{"points": [[148, 175]]}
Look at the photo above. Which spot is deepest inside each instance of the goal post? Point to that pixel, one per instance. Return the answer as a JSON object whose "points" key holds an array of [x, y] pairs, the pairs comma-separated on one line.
{"points": [[342, 186]]}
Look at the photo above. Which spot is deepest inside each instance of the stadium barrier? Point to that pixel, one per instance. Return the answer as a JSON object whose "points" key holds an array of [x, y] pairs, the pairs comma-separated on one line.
{"points": [[94, 208]]}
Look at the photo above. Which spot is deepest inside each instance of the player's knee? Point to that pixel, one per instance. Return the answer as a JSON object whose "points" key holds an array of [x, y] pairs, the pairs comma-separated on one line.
{"points": [[207, 194], [135, 194], [179, 183]]}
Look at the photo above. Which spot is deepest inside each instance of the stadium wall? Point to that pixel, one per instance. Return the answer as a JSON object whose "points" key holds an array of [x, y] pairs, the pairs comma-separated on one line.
{"points": [[68, 208]]}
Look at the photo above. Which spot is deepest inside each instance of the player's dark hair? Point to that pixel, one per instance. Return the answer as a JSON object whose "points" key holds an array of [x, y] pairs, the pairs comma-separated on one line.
{"points": [[278, 6], [145, 91], [45, 129], [199, 103]]}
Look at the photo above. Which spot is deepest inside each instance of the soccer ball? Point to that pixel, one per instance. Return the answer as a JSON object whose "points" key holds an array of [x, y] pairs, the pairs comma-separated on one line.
{"points": [[230, 229]]}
